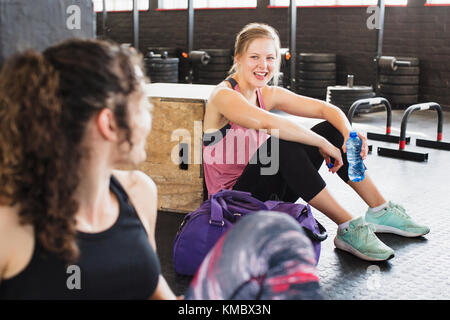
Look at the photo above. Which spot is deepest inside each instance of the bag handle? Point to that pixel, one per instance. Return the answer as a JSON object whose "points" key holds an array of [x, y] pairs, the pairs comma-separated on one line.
{"points": [[317, 236], [219, 203]]}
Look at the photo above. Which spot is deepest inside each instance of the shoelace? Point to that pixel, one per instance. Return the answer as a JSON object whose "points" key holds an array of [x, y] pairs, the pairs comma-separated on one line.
{"points": [[400, 210], [364, 230]]}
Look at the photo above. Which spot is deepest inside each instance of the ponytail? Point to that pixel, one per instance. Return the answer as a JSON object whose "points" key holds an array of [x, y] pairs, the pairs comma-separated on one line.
{"points": [[33, 148]]}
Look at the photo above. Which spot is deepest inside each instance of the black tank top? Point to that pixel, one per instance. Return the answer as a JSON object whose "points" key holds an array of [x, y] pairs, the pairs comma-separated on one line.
{"points": [[118, 263]]}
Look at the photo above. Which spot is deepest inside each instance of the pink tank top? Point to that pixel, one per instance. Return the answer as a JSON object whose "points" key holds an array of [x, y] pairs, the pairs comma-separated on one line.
{"points": [[226, 157]]}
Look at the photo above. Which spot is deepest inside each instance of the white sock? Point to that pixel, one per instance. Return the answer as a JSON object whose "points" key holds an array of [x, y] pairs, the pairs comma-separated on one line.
{"points": [[380, 207], [344, 225]]}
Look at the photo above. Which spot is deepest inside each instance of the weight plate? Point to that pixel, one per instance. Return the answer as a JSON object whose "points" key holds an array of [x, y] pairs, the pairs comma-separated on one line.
{"points": [[359, 95], [317, 57], [348, 90], [220, 60], [398, 89], [163, 73], [403, 71], [403, 99], [212, 74], [155, 61], [320, 75], [316, 83], [312, 91], [218, 52], [311, 66], [215, 67], [163, 77], [399, 79], [351, 97]]}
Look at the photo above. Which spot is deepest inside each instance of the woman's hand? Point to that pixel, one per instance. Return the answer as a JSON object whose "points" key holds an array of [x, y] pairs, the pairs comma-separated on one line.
{"points": [[364, 146], [328, 151]]}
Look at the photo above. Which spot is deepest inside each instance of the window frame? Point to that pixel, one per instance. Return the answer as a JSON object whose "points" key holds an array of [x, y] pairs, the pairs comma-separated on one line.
{"points": [[140, 10], [337, 6], [437, 4], [207, 8]]}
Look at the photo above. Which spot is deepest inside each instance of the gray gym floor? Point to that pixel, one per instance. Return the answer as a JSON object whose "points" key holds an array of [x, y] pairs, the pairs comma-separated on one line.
{"points": [[421, 266]]}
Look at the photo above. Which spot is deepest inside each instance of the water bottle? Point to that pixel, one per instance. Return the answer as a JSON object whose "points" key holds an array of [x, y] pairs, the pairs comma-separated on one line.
{"points": [[355, 163]]}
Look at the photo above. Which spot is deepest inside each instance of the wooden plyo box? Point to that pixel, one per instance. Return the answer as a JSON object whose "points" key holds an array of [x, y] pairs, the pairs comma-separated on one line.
{"points": [[177, 119]]}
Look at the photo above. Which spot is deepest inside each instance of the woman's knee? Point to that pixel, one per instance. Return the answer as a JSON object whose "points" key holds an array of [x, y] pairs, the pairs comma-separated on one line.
{"points": [[329, 132]]}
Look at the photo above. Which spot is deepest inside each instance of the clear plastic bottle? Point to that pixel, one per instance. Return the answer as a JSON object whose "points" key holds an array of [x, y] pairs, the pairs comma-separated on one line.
{"points": [[355, 163]]}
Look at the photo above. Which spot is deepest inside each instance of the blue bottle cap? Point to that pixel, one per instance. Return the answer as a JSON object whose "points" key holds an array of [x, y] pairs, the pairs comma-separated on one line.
{"points": [[353, 134], [330, 165]]}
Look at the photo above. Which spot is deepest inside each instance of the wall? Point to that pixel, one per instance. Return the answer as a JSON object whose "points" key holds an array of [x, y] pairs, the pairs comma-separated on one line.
{"points": [[410, 31]]}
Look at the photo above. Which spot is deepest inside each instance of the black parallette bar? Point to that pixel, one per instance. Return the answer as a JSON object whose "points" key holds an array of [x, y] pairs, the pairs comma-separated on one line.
{"points": [[400, 154], [386, 137], [433, 144]]}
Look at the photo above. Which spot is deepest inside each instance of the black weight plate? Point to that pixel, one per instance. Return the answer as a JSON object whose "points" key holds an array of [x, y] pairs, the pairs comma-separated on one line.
{"points": [[215, 67], [160, 71], [155, 60], [220, 60], [317, 57], [403, 71], [312, 91], [316, 83], [218, 52], [414, 80], [347, 90], [403, 99], [344, 102], [160, 77], [399, 89], [414, 60], [164, 73], [311, 66], [351, 95], [212, 74], [158, 66], [320, 75]]}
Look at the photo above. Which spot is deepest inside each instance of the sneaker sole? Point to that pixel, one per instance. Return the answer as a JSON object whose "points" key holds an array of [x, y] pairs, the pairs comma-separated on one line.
{"points": [[388, 229], [346, 247]]}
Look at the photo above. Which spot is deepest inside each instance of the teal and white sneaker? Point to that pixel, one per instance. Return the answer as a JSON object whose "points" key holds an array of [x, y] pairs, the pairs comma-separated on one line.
{"points": [[394, 219], [359, 239]]}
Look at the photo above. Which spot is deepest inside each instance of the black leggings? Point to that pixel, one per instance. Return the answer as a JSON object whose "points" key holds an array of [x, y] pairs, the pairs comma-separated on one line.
{"points": [[297, 175]]}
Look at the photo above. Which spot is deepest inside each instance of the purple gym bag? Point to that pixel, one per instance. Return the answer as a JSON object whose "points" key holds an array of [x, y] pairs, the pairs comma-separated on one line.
{"points": [[201, 229]]}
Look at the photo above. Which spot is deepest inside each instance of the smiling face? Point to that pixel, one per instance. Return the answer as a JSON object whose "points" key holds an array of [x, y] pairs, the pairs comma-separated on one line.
{"points": [[259, 63]]}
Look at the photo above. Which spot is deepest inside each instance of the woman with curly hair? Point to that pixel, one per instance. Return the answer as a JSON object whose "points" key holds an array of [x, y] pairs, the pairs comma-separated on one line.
{"points": [[68, 117]]}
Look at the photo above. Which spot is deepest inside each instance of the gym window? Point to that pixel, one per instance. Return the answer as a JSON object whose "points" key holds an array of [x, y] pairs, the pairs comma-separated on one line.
{"points": [[437, 2], [120, 5], [203, 4], [336, 3]]}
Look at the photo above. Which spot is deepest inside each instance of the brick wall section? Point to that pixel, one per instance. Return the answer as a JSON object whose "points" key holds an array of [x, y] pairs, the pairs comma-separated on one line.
{"points": [[412, 31]]}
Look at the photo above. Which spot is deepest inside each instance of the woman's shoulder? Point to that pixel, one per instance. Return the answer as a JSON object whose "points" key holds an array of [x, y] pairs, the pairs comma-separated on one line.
{"points": [[136, 183], [142, 192]]}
